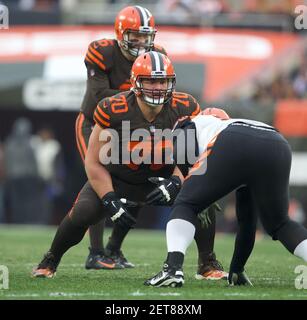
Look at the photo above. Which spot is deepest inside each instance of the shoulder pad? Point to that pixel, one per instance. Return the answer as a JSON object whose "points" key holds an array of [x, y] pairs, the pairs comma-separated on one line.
{"points": [[160, 49], [100, 53]]}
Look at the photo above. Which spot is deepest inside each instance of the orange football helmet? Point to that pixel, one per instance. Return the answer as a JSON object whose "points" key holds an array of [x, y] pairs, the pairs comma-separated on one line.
{"points": [[149, 66], [138, 21], [216, 112]]}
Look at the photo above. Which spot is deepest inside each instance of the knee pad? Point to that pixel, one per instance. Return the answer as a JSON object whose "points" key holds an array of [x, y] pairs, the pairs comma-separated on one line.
{"points": [[290, 234], [273, 230]]}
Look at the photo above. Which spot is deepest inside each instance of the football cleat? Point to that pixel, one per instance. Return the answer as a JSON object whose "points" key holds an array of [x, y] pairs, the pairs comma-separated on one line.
{"points": [[211, 269], [98, 261], [118, 258], [238, 279], [47, 267], [168, 277]]}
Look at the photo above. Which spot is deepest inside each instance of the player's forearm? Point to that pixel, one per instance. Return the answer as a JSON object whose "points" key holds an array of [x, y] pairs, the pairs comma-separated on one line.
{"points": [[99, 178], [97, 174], [100, 87], [178, 173]]}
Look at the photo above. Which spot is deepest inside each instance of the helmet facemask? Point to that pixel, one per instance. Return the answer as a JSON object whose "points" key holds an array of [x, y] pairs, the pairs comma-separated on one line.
{"points": [[155, 97], [134, 47]]}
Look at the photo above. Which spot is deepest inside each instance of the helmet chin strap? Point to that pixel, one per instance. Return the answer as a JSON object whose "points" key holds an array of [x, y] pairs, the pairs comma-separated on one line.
{"points": [[130, 53], [125, 52], [133, 51]]}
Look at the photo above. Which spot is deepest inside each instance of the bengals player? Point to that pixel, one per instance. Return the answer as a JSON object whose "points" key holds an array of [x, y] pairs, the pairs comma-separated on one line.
{"points": [[108, 63], [242, 155], [152, 104]]}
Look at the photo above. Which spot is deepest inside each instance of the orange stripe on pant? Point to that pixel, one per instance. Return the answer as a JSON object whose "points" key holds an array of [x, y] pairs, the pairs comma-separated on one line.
{"points": [[79, 136], [202, 157], [71, 210]]}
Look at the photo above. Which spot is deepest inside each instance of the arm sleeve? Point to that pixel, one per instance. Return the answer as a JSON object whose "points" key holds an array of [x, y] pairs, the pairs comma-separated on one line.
{"points": [[193, 108], [102, 116], [160, 49], [98, 83], [97, 63]]}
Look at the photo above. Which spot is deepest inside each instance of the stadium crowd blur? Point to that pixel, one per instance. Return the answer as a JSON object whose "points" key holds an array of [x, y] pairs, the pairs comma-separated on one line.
{"points": [[284, 85], [188, 6], [36, 168]]}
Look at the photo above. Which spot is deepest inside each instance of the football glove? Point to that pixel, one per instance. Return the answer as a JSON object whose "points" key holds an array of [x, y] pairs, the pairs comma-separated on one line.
{"points": [[238, 279], [204, 216], [117, 210], [166, 191]]}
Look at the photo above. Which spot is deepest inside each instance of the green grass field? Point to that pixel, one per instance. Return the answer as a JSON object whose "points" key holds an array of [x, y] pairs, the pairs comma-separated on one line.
{"points": [[271, 269]]}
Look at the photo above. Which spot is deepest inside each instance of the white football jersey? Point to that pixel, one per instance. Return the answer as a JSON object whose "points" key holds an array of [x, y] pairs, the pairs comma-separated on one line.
{"points": [[208, 127]]}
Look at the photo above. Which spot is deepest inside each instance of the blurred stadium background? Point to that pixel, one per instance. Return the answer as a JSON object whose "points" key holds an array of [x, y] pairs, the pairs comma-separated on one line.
{"points": [[244, 56]]}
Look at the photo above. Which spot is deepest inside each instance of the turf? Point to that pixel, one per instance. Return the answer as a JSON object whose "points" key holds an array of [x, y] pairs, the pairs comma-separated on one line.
{"points": [[271, 269]]}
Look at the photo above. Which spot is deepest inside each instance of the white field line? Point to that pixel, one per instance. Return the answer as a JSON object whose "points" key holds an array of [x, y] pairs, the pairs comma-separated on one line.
{"points": [[138, 294], [79, 265], [79, 294], [135, 294], [54, 294]]}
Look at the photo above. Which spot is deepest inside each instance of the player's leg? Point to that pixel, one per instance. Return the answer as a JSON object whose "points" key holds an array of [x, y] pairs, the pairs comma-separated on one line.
{"points": [[272, 196], [198, 192], [113, 247], [209, 268], [135, 193], [96, 258], [86, 210]]}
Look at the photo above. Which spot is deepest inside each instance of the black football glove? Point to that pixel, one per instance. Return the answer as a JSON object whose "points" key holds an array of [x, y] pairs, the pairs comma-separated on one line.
{"points": [[166, 191], [117, 210], [238, 279]]}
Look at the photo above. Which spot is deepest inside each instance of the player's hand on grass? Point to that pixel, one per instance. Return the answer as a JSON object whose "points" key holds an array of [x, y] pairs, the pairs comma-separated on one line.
{"points": [[116, 208], [238, 279], [166, 191]]}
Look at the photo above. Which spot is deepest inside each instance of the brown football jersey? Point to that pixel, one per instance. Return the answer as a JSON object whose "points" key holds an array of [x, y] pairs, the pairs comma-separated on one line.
{"points": [[122, 114], [108, 73]]}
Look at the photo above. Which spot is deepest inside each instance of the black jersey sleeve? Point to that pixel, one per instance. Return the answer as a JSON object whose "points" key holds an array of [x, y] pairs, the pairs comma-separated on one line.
{"points": [[159, 48], [102, 115], [186, 104], [98, 61], [194, 108], [99, 85]]}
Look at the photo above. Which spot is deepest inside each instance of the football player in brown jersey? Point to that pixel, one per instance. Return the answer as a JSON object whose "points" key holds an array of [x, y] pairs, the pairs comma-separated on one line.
{"points": [[108, 63], [119, 187]]}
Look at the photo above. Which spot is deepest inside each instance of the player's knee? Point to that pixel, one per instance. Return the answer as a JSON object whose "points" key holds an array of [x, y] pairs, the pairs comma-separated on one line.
{"points": [[85, 214], [273, 228], [290, 234], [183, 212]]}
